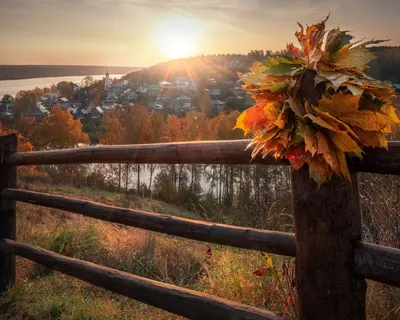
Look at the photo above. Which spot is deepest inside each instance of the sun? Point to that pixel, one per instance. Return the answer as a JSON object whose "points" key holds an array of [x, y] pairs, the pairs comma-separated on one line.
{"points": [[177, 37], [178, 45]]}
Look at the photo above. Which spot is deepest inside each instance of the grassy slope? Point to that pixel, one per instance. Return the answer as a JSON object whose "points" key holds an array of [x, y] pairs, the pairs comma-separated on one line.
{"points": [[228, 273], [43, 294]]}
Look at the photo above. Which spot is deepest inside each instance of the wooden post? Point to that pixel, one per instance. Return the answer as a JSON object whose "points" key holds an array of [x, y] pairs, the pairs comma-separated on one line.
{"points": [[327, 223], [8, 174]]}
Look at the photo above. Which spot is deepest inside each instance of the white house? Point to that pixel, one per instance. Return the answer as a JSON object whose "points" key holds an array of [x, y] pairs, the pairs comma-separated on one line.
{"points": [[166, 85]]}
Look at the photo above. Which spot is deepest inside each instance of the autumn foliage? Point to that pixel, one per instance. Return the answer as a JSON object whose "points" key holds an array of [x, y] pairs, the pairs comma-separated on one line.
{"points": [[345, 112], [135, 125], [60, 130]]}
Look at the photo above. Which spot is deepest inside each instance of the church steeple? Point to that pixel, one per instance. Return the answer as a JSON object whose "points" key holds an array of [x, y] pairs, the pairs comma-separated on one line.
{"points": [[107, 81]]}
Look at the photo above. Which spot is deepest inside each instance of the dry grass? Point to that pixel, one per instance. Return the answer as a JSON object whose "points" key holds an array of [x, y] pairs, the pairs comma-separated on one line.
{"points": [[227, 272], [43, 294]]}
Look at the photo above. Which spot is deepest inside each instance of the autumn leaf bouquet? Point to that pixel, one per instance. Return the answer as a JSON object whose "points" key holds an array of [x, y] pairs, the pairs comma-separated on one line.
{"points": [[315, 105]]}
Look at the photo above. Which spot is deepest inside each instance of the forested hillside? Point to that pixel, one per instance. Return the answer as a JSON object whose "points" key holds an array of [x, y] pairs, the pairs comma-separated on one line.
{"points": [[14, 72], [387, 64], [224, 67]]}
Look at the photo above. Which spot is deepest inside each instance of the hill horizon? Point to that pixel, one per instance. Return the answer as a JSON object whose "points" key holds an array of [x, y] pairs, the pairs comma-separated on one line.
{"points": [[29, 71]]}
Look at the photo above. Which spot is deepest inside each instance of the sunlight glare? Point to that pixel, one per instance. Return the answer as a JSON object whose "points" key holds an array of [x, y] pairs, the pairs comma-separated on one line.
{"points": [[177, 38]]}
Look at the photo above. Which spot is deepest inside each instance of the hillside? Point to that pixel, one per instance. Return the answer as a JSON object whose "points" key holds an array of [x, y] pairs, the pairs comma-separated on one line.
{"points": [[387, 65], [42, 294], [15, 72], [219, 67], [225, 67]]}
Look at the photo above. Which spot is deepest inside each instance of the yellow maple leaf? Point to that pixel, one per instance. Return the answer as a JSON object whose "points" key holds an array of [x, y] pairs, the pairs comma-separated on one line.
{"points": [[326, 151], [336, 123], [372, 138], [310, 140], [364, 119], [340, 104], [344, 169], [389, 110], [322, 123], [354, 58], [268, 259], [345, 143]]}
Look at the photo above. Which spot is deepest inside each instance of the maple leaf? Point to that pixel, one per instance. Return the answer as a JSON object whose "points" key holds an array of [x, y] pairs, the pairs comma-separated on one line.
{"points": [[364, 119], [320, 172], [298, 157], [340, 104], [372, 138], [345, 143], [335, 78], [268, 259], [344, 169], [327, 152], [293, 51], [295, 106], [261, 272], [310, 140], [354, 58], [336, 39]]}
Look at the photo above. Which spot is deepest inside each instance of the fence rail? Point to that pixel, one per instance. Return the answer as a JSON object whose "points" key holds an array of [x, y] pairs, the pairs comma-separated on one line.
{"points": [[247, 238], [171, 298], [331, 261], [370, 261], [204, 152]]}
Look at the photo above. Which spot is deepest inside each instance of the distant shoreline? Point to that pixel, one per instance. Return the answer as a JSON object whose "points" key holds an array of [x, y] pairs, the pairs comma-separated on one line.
{"points": [[20, 72]]}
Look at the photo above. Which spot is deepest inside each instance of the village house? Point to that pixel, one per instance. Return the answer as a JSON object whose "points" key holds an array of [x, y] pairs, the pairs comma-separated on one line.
{"points": [[63, 103], [215, 91], [129, 95], [182, 83], [37, 111], [108, 105], [218, 105], [156, 106], [184, 102], [149, 90], [153, 90], [92, 112], [164, 85], [164, 98]]}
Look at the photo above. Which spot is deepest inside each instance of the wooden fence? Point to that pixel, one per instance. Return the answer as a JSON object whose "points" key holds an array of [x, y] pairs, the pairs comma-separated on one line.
{"points": [[332, 262]]}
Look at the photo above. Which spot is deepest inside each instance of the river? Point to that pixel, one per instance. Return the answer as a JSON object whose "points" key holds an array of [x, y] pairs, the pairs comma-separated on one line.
{"points": [[14, 86]]}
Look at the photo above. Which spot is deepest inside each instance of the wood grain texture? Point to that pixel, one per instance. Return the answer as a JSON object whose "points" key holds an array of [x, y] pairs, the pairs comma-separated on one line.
{"points": [[247, 238], [8, 176], [377, 263], [204, 152], [184, 302], [376, 160], [327, 224]]}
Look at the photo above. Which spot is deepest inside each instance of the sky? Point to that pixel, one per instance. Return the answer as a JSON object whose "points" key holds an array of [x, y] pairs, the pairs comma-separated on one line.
{"points": [[140, 33]]}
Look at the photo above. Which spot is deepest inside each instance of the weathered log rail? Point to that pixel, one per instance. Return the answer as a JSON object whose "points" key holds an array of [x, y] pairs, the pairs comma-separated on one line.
{"points": [[204, 152], [331, 260]]}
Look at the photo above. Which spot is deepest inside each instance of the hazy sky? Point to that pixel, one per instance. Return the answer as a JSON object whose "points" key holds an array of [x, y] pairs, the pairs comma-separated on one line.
{"points": [[145, 32]]}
